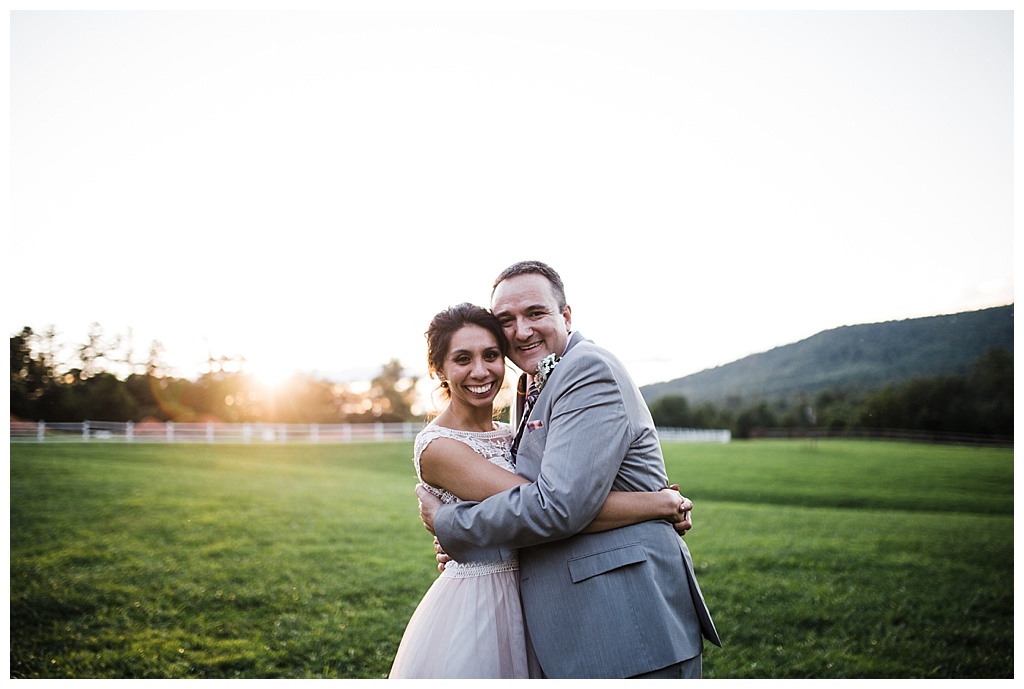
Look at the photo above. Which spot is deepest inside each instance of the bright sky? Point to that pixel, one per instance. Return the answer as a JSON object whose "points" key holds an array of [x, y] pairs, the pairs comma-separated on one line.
{"points": [[307, 189]]}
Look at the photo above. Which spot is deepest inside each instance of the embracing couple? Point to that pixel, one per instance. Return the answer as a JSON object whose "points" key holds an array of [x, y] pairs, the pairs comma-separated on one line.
{"points": [[558, 535]]}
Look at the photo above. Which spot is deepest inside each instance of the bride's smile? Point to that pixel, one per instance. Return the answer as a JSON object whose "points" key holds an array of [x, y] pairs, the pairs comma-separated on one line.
{"points": [[474, 368]]}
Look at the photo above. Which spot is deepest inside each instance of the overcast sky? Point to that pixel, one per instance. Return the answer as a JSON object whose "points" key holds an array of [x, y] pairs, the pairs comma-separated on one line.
{"points": [[307, 189]]}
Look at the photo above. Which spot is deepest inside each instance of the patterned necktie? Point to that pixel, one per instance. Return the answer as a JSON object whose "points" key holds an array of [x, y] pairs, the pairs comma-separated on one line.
{"points": [[531, 399]]}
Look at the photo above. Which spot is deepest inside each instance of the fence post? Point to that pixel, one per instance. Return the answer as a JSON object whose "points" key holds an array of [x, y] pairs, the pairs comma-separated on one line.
{"points": [[314, 433], [41, 431], [282, 432], [170, 431], [209, 432], [85, 431], [129, 431], [247, 434]]}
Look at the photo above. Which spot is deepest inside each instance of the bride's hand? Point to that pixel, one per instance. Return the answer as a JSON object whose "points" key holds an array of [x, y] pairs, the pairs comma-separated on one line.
{"points": [[680, 518]]}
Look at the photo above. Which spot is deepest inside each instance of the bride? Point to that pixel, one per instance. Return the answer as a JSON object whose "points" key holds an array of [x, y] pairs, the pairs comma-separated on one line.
{"points": [[470, 622]]}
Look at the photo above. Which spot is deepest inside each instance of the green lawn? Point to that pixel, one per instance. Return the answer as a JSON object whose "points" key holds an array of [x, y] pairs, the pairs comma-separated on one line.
{"points": [[845, 559]]}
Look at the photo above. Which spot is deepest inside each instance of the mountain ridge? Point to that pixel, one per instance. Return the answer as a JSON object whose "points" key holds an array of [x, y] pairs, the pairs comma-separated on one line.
{"points": [[864, 356]]}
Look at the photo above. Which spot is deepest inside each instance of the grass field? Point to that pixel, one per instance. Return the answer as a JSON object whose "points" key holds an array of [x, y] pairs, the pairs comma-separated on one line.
{"points": [[845, 559]]}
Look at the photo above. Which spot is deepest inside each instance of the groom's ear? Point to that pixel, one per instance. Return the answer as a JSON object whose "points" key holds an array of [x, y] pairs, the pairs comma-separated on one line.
{"points": [[567, 315]]}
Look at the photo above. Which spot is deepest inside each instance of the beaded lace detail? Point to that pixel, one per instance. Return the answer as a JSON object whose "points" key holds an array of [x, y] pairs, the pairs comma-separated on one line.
{"points": [[495, 447]]}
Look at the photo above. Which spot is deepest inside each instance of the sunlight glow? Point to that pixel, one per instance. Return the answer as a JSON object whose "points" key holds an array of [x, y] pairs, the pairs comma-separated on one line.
{"points": [[272, 376], [752, 178]]}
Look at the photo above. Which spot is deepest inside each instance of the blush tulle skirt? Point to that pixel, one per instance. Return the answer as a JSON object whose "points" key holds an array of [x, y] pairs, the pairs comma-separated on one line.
{"points": [[468, 628]]}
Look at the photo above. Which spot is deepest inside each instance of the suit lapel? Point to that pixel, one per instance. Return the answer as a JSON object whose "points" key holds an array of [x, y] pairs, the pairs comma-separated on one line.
{"points": [[520, 425], [574, 339]]}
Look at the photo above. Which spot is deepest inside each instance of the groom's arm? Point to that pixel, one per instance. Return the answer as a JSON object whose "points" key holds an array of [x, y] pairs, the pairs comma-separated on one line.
{"points": [[588, 435]]}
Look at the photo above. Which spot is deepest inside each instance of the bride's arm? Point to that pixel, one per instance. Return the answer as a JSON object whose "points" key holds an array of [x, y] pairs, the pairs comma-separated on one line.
{"points": [[622, 508], [454, 466]]}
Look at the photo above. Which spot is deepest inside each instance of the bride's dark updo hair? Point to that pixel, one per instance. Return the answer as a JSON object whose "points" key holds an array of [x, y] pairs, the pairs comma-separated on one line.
{"points": [[445, 324]]}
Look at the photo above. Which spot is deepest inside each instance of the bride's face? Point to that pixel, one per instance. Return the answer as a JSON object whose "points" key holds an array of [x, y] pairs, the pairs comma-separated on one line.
{"points": [[474, 367]]}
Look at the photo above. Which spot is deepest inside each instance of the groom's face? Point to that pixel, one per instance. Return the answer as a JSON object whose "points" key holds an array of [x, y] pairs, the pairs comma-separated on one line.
{"points": [[535, 326]]}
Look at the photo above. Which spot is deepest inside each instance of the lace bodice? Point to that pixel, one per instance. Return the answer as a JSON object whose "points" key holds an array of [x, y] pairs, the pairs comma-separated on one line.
{"points": [[495, 447]]}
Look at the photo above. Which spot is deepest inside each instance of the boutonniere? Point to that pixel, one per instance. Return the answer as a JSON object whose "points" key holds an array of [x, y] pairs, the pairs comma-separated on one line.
{"points": [[544, 369]]}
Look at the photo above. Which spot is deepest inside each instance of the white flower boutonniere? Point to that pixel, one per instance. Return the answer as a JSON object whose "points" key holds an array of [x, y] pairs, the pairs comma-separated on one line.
{"points": [[544, 369]]}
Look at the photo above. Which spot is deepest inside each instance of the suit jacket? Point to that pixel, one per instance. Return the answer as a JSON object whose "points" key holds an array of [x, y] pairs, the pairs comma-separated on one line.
{"points": [[611, 604]]}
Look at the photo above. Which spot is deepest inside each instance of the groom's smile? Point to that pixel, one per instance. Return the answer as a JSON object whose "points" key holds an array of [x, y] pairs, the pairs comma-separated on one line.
{"points": [[532, 319]]}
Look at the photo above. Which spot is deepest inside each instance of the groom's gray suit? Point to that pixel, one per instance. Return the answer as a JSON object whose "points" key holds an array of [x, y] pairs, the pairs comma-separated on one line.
{"points": [[612, 604]]}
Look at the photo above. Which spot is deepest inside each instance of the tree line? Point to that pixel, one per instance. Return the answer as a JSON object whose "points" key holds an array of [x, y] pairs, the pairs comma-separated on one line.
{"points": [[46, 386], [979, 402], [86, 388]]}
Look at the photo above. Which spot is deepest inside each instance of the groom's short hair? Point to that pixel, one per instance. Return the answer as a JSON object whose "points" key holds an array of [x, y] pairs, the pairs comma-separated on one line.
{"points": [[535, 268]]}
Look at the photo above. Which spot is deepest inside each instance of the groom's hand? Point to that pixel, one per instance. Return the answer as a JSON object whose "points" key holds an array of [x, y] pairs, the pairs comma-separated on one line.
{"points": [[442, 557], [428, 506]]}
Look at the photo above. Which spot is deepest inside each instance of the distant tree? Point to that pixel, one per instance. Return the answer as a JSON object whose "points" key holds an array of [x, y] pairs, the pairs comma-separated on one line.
{"points": [[838, 408], [102, 397], [981, 402], [155, 366], [883, 409], [760, 415], [708, 415], [141, 387], [30, 376], [172, 396], [306, 399], [59, 403], [226, 395], [672, 411], [391, 394], [938, 404], [349, 405], [92, 353], [991, 384]]}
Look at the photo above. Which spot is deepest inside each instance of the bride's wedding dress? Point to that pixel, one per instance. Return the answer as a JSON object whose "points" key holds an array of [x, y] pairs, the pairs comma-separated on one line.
{"points": [[470, 622]]}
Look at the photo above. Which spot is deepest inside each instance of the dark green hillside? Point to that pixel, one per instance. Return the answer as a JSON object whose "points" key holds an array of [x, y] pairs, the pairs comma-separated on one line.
{"points": [[857, 356]]}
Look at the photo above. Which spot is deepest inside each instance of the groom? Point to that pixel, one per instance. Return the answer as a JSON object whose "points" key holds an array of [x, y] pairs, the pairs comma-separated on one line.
{"points": [[621, 603]]}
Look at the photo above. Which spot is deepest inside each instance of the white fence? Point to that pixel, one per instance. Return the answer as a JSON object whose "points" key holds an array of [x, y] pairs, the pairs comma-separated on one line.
{"points": [[171, 432], [694, 435]]}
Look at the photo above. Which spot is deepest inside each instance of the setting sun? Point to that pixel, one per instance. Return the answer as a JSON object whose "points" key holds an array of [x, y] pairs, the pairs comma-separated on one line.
{"points": [[270, 375]]}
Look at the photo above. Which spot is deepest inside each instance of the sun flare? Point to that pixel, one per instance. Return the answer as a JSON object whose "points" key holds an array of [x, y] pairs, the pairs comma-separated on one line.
{"points": [[270, 375]]}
